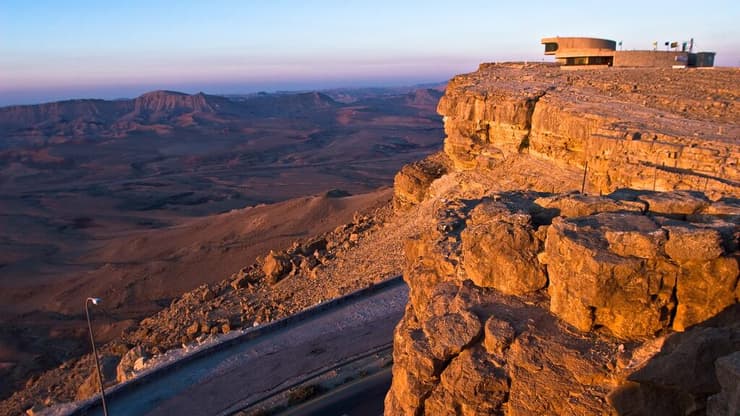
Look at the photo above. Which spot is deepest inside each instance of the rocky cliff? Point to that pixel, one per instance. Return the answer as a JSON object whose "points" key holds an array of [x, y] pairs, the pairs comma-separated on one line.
{"points": [[647, 129], [580, 254], [528, 296]]}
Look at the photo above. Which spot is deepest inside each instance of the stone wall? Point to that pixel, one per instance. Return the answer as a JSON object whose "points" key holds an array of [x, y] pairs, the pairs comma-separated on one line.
{"points": [[638, 59]]}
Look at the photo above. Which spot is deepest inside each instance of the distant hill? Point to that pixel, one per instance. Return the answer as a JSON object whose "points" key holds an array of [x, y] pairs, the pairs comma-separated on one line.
{"points": [[267, 105], [352, 95], [423, 97]]}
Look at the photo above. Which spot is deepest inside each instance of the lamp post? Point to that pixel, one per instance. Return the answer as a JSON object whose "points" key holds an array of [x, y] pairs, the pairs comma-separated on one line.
{"points": [[96, 301]]}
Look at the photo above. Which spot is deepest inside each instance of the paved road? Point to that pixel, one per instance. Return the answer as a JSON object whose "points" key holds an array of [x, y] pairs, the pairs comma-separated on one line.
{"points": [[362, 398], [231, 379]]}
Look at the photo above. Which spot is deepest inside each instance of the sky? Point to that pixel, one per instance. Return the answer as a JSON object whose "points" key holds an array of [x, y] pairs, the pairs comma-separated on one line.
{"points": [[52, 50]]}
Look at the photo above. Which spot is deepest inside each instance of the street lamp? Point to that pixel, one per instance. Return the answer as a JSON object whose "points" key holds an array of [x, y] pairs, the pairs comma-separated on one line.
{"points": [[96, 301]]}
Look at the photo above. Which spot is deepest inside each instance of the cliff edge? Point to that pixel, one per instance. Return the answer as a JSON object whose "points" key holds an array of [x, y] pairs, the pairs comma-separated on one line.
{"points": [[560, 260], [580, 253]]}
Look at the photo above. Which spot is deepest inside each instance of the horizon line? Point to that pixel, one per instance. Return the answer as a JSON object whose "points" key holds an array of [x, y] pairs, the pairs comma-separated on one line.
{"points": [[236, 92]]}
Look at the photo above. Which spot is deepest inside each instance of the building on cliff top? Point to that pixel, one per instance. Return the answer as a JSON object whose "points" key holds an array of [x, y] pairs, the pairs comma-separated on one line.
{"points": [[580, 52]]}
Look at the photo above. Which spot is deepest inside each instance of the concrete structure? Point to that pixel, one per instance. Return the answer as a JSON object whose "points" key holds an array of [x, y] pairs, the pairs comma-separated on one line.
{"points": [[581, 52], [701, 59], [576, 51], [642, 59]]}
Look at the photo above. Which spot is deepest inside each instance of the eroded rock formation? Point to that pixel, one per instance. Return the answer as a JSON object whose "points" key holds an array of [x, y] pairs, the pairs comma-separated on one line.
{"points": [[530, 297], [646, 129], [412, 181]]}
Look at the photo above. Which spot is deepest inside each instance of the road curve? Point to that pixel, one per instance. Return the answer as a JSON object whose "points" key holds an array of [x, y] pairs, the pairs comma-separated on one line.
{"points": [[233, 377]]}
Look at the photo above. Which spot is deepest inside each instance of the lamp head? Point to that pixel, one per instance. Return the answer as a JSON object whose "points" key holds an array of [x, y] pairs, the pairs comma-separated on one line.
{"points": [[95, 301]]}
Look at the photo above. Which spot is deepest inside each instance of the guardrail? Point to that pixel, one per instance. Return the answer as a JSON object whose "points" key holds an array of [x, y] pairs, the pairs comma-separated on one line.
{"points": [[250, 334], [248, 405]]}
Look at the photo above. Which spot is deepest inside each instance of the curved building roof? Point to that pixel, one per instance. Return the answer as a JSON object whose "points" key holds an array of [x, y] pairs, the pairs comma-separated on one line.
{"points": [[568, 47]]}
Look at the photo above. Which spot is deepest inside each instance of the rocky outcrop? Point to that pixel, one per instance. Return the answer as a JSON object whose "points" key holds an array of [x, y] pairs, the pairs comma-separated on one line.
{"points": [[525, 299], [626, 128], [412, 182], [625, 272], [523, 303], [157, 103], [276, 266], [500, 250], [131, 363]]}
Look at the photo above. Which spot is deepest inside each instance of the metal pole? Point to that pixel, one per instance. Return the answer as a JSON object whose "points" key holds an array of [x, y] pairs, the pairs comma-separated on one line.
{"points": [[583, 184], [95, 353], [655, 176]]}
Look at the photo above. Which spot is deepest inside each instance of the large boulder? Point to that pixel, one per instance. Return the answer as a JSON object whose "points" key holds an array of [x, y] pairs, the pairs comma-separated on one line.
{"points": [[726, 209], [500, 250], [705, 289], [451, 332], [687, 243], [676, 203], [127, 367], [591, 284], [554, 372], [276, 266], [411, 183], [470, 385], [426, 265], [636, 276]]}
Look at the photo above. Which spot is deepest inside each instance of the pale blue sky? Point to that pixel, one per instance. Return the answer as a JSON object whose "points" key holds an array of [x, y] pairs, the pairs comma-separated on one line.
{"points": [[67, 49]]}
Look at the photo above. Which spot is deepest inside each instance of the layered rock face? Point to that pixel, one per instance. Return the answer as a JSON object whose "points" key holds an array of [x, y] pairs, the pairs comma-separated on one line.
{"points": [[655, 129], [411, 183], [528, 298]]}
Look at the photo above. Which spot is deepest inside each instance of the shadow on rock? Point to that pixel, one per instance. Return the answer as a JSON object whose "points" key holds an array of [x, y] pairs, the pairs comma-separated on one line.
{"points": [[696, 372]]}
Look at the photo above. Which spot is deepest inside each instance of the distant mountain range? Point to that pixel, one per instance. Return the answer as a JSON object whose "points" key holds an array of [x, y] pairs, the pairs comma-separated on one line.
{"points": [[175, 109], [160, 111]]}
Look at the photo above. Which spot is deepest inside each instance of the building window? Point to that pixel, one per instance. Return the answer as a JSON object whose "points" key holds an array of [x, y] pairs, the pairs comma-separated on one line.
{"points": [[583, 60], [551, 47], [600, 60], [589, 60]]}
